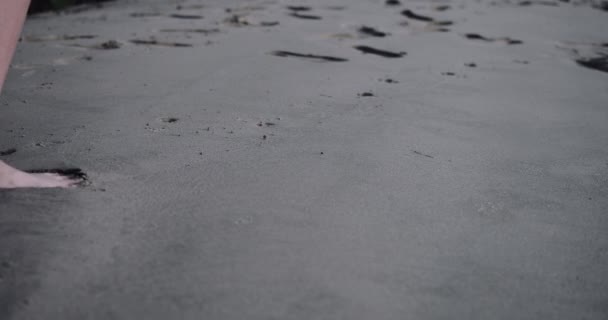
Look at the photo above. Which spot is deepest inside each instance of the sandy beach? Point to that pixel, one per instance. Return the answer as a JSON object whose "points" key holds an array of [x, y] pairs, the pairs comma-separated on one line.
{"points": [[311, 159]]}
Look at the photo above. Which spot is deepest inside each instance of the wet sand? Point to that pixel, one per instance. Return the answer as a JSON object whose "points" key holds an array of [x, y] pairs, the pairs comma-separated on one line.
{"points": [[310, 160]]}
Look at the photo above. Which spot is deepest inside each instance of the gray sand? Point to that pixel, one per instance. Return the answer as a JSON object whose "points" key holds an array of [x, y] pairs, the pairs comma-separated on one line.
{"points": [[280, 191]]}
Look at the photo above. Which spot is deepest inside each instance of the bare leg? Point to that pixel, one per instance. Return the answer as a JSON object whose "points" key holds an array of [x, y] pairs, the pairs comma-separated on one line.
{"points": [[12, 15]]}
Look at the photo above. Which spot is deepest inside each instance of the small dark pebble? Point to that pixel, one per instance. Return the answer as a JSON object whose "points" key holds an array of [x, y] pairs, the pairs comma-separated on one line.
{"points": [[513, 41], [372, 32], [366, 94], [109, 45]]}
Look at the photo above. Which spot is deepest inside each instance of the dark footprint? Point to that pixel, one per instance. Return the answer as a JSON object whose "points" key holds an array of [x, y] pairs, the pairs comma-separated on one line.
{"points": [[299, 8], [72, 173], [372, 32], [308, 56], [160, 43], [378, 52], [599, 64], [305, 16], [412, 15], [186, 16]]}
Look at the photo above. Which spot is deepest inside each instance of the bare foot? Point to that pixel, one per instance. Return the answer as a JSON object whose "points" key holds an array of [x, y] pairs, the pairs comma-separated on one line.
{"points": [[11, 178]]}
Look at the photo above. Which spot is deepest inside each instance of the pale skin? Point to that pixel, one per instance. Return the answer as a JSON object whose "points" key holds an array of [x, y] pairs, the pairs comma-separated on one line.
{"points": [[12, 16]]}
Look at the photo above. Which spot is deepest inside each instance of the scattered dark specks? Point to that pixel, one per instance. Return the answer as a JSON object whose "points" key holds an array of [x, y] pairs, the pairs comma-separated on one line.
{"points": [[109, 45], [414, 16], [8, 152], [366, 94], [304, 16], [471, 65], [422, 154], [186, 16], [170, 120], [599, 63], [313, 57], [369, 31], [154, 42], [299, 8], [378, 52]]}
